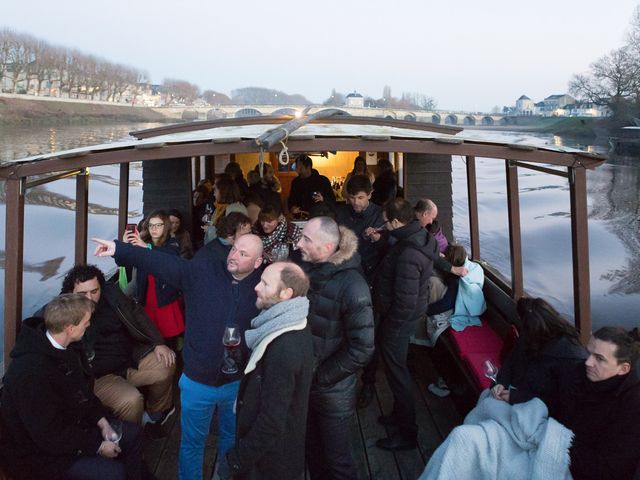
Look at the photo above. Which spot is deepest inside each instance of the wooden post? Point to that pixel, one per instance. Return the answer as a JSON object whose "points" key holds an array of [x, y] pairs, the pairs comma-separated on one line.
{"points": [[14, 251], [82, 216], [123, 199], [472, 199], [580, 251], [515, 239]]}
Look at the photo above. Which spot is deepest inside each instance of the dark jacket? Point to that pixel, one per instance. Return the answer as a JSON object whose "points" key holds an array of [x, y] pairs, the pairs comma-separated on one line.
{"points": [[340, 313], [402, 283], [385, 187], [302, 189], [144, 333], [213, 299], [605, 419], [216, 248], [49, 414], [271, 410], [165, 292], [542, 375], [266, 194], [370, 252]]}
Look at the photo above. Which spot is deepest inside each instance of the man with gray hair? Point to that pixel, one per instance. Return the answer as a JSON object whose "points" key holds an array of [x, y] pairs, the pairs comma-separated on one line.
{"points": [[341, 321], [274, 393]]}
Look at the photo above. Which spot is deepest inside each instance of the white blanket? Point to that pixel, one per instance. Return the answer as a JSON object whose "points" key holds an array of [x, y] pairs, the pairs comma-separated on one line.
{"points": [[503, 442]]}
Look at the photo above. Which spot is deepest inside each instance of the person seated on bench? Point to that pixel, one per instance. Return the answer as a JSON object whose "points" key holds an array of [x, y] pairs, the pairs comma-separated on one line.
{"points": [[593, 437], [53, 426], [547, 351]]}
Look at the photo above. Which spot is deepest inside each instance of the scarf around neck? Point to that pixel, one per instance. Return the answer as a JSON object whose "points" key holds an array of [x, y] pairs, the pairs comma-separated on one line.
{"points": [[273, 322]]}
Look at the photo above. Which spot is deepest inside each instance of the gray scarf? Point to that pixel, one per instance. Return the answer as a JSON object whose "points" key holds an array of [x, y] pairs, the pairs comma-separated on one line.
{"points": [[280, 316]]}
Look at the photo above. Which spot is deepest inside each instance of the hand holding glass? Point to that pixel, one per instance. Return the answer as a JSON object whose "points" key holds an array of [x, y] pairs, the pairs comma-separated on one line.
{"points": [[231, 341], [116, 435], [490, 370]]}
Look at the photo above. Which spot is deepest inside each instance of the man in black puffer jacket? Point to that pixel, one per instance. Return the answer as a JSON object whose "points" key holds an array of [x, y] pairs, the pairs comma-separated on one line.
{"points": [[341, 323], [402, 295]]}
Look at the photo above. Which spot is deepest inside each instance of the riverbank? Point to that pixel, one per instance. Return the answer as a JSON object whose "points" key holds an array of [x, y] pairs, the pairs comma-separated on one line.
{"points": [[584, 128], [25, 112]]}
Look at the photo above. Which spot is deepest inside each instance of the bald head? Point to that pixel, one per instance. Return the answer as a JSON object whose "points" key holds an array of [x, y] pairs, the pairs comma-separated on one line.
{"points": [[245, 256], [279, 282], [320, 239], [426, 211]]}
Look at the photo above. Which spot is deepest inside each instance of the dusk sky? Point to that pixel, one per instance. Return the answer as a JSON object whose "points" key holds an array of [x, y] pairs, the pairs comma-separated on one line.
{"points": [[469, 55]]}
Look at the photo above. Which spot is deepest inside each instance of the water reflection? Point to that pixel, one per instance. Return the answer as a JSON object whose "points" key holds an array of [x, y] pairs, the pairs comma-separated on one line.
{"points": [[47, 269]]}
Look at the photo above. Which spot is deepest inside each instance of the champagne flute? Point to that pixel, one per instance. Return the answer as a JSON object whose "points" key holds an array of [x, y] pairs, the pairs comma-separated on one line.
{"points": [[490, 370], [231, 341], [116, 426]]}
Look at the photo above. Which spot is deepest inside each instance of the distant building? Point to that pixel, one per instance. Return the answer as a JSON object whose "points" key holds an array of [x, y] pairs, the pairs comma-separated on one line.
{"points": [[524, 106], [354, 100], [587, 109]]}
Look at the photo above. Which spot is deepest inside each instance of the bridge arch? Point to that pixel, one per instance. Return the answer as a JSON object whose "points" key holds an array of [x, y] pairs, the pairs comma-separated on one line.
{"points": [[215, 113], [410, 117], [248, 112], [342, 112], [487, 121], [451, 119], [435, 118], [190, 114], [285, 112], [469, 120], [389, 114]]}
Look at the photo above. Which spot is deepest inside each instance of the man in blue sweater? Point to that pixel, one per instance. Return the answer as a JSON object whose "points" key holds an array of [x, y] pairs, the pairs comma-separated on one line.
{"points": [[215, 295]]}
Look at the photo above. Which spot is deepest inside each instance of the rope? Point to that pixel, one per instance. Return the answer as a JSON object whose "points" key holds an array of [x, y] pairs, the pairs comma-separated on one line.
{"points": [[285, 151], [261, 162]]}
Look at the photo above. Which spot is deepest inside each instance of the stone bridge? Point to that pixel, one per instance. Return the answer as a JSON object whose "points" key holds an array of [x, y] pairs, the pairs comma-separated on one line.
{"points": [[236, 111]]}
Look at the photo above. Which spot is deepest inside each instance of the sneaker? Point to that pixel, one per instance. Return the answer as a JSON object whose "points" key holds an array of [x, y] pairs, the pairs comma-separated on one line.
{"points": [[440, 388]]}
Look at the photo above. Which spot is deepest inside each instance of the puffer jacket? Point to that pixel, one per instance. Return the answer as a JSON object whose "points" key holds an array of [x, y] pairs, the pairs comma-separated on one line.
{"points": [[402, 285], [48, 413], [340, 313]]}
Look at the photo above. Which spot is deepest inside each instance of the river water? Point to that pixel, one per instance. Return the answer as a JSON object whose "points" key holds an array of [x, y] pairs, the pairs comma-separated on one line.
{"points": [[613, 198]]}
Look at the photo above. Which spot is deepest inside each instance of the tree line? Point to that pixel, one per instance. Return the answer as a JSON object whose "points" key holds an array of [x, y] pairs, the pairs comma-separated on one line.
{"points": [[407, 100], [614, 79]]}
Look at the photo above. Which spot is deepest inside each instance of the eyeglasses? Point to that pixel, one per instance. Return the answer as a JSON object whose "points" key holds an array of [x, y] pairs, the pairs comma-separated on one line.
{"points": [[156, 225]]}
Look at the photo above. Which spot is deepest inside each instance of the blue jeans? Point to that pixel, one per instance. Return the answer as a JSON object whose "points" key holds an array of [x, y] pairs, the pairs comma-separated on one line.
{"points": [[198, 402]]}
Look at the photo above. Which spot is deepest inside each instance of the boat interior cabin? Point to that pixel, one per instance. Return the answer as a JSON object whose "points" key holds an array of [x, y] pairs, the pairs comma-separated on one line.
{"points": [[175, 158]]}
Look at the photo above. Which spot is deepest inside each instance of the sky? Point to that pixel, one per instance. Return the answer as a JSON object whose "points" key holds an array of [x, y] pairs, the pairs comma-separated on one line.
{"points": [[467, 54]]}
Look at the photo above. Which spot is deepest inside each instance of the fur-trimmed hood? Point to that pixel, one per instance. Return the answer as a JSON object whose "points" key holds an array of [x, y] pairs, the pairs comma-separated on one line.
{"points": [[347, 248]]}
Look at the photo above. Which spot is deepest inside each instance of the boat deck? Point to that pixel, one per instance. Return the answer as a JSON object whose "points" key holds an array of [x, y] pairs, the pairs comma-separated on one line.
{"points": [[436, 418]]}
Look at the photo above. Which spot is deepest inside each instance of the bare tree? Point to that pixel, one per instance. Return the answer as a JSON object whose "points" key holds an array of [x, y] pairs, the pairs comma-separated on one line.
{"points": [[335, 100], [213, 97]]}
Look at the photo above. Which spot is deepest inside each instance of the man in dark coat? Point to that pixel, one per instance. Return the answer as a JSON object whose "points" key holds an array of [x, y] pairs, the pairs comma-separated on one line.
{"points": [[364, 218], [126, 350], [603, 411], [309, 188], [52, 424], [402, 296], [274, 393], [341, 323], [216, 295]]}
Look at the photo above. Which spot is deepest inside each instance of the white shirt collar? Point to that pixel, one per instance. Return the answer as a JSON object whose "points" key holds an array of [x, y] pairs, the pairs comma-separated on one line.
{"points": [[54, 343]]}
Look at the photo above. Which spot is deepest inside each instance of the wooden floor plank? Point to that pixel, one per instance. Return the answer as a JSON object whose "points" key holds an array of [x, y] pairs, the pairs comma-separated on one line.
{"points": [[410, 462], [382, 464]]}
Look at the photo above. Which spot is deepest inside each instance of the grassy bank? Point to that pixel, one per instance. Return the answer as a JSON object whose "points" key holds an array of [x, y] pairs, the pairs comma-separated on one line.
{"points": [[14, 111], [563, 126]]}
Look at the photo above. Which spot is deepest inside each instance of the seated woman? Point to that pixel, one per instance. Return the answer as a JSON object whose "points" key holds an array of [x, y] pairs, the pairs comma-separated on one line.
{"points": [[278, 235], [230, 228], [547, 352], [179, 233], [161, 301]]}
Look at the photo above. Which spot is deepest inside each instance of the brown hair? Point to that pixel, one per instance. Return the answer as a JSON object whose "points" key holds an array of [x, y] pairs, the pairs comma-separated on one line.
{"points": [[229, 191], [66, 309], [542, 323], [269, 212], [227, 225], [399, 209], [293, 277], [456, 254], [145, 235]]}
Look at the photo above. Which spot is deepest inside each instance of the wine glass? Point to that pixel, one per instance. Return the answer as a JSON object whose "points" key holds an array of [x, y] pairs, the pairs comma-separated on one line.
{"points": [[116, 426], [231, 341], [490, 370]]}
